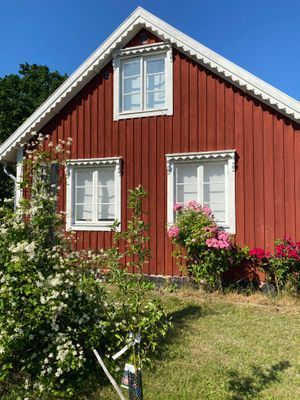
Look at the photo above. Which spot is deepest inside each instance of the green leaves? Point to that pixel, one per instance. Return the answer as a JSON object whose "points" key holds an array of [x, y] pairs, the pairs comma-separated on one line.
{"points": [[137, 313], [20, 96]]}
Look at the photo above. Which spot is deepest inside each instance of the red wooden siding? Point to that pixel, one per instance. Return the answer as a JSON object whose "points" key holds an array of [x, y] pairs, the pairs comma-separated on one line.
{"points": [[142, 38], [209, 114]]}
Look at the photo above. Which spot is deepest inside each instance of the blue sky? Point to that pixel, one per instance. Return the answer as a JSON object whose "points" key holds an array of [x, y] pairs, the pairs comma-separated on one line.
{"points": [[262, 36]]}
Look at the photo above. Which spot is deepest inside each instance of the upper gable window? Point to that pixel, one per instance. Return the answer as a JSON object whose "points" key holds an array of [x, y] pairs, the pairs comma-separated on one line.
{"points": [[143, 81]]}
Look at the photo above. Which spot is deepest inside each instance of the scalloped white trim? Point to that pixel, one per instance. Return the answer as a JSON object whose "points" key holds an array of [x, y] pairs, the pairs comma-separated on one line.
{"points": [[141, 18], [205, 155], [144, 49], [96, 161]]}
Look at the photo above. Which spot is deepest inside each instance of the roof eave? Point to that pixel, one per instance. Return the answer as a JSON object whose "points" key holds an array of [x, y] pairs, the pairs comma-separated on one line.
{"points": [[142, 18]]}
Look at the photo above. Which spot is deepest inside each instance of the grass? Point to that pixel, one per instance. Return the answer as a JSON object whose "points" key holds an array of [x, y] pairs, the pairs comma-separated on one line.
{"points": [[229, 347]]}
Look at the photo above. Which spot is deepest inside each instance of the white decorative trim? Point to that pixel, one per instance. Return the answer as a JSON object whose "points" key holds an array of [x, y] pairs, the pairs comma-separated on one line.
{"points": [[208, 156], [139, 19], [140, 51], [87, 163], [144, 49]]}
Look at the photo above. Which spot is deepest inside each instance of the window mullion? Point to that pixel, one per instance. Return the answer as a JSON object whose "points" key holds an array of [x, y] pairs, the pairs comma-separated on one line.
{"points": [[143, 86], [122, 87], [95, 196], [200, 188]]}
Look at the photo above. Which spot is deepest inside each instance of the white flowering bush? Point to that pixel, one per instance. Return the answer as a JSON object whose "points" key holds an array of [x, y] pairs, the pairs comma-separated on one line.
{"points": [[53, 307]]}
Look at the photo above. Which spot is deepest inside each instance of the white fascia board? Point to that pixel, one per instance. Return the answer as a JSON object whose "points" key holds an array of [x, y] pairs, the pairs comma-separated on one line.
{"points": [[138, 19], [80, 77], [225, 68]]}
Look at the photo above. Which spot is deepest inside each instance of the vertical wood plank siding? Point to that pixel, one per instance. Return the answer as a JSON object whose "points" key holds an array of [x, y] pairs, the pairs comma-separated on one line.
{"points": [[209, 114]]}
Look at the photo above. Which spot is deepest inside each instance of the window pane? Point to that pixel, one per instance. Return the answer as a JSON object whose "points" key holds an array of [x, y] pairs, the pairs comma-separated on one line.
{"points": [[106, 194], [131, 102], [213, 197], [187, 173], [132, 67], [84, 195], [214, 193], [106, 212], [132, 85], [84, 212], [155, 65], [106, 176], [156, 82], [186, 185], [214, 189], [219, 216], [186, 193], [84, 178], [214, 172], [156, 100]]}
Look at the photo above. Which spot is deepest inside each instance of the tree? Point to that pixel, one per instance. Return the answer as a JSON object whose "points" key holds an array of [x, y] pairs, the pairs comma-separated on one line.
{"points": [[20, 95]]}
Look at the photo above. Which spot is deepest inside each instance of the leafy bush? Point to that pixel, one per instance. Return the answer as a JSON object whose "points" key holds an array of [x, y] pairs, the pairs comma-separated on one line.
{"points": [[207, 250], [54, 305], [141, 315], [53, 309], [282, 268]]}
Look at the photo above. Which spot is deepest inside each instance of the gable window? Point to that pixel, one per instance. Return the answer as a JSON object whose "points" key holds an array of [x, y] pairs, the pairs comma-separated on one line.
{"points": [[208, 178], [93, 193], [143, 81]]}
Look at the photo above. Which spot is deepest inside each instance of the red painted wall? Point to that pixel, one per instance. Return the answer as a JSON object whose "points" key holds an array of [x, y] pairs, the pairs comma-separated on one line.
{"points": [[209, 114]]}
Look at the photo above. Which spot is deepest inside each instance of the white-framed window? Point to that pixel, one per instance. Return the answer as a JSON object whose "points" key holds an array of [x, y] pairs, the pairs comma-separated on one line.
{"points": [[93, 193], [206, 177], [143, 81]]}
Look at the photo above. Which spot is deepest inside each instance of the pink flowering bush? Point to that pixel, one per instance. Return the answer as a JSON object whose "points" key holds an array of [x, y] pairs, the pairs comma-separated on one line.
{"points": [[282, 268], [206, 250], [173, 232]]}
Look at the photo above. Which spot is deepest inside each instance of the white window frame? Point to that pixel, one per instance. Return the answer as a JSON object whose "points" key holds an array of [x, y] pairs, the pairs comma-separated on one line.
{"points": [[18, 191], [229, 157], [148, 50], [91, 163]]}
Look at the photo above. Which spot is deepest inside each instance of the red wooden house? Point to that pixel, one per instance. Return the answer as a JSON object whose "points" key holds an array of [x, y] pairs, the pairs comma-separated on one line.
{"points": [[152, 106]]}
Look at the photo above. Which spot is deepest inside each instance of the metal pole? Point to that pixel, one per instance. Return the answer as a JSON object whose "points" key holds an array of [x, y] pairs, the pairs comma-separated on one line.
{"points": [[112, 381]]}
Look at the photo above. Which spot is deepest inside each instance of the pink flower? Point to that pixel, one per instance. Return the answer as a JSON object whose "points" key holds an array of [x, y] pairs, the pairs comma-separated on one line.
{"points": [[173, 231], [220, 241], [177, 207], [223, 236], [194, 205], [207, 211]]}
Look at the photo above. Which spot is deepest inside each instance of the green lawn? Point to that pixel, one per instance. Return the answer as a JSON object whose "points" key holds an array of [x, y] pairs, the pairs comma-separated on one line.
{"points": [[226, 348]]}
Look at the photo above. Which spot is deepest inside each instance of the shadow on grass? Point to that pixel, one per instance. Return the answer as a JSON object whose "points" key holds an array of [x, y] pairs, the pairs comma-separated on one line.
{"points": [[181, 320], [246, 387]]}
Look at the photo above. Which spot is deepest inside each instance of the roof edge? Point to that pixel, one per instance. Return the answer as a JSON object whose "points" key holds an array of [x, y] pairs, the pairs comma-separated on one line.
{"points": [[193, 49]]}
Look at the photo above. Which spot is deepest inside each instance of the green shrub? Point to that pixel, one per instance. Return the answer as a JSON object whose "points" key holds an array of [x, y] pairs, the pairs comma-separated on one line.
{"points": [[55, 306], [207, 251], [141, 315], [282, 268]]}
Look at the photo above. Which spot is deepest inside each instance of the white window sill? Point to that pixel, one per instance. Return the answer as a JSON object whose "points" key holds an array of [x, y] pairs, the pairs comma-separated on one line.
{"points": [[93, 227], [140, 114]]}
